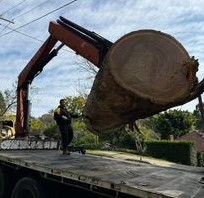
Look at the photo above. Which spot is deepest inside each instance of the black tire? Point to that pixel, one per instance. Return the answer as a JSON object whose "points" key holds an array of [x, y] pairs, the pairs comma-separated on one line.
{"points": [[29, 188], [2, 183]]}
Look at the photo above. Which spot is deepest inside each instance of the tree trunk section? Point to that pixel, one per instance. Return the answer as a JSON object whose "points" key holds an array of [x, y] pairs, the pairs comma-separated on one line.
{"points": [[142, 74]]}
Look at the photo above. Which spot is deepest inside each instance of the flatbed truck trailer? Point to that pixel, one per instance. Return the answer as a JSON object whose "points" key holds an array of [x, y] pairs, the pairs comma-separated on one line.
{"points": [[48, 173]]}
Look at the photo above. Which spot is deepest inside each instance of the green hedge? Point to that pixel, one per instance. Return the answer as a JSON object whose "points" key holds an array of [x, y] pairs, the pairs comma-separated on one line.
{"points": [[183, 152], [201, 159]]}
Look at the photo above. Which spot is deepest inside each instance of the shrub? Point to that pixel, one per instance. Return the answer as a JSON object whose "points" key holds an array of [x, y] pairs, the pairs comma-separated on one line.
{"points": [[52, 132], [200, 159], [183, 152]]}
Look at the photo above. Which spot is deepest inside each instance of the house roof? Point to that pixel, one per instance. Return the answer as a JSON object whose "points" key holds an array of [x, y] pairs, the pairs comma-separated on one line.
{"points": [[197, 137]]}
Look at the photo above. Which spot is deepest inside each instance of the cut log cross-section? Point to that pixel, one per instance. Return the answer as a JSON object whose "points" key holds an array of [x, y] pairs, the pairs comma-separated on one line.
{"points": [[142, 74]]}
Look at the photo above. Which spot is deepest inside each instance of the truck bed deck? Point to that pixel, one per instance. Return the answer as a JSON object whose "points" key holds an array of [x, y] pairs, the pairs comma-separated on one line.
{"points": [[134, 178]]}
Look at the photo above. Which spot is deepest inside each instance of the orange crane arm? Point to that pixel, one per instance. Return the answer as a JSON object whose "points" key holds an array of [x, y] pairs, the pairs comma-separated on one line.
{"points": [[88, 44]]}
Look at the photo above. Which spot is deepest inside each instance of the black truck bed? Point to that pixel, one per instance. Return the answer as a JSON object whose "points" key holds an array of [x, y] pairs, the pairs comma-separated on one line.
{"points": [[132, 178]]}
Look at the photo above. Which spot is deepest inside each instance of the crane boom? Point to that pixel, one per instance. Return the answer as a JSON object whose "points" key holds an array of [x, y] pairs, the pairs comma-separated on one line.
{"points": [[88, 44]]}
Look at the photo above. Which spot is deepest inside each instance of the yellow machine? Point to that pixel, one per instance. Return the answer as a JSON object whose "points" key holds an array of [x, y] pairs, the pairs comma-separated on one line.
{"points": [[7, 130]]}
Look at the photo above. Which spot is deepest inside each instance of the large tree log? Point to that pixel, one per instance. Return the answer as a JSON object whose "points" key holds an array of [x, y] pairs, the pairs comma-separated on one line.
{"points": [[143, 73]]}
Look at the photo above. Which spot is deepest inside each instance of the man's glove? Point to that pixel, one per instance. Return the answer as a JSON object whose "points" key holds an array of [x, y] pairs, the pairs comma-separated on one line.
{"points": [[64, 117]]}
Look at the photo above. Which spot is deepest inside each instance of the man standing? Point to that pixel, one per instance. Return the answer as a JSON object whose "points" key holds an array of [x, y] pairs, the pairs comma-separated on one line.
{"points": [[63, 119]]}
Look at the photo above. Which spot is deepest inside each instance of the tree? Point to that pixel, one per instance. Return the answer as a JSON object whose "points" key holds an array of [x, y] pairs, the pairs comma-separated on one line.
{"points": [[87, 66], [2, 104], [75, 103], [47, 119], [198, 113], [36, 126], [8, 100], [173, 122], [146, 126], [50, 128]]}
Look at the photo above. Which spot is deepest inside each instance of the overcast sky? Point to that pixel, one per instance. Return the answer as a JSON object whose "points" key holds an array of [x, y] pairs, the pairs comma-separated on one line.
{"points": [[112, 19]]}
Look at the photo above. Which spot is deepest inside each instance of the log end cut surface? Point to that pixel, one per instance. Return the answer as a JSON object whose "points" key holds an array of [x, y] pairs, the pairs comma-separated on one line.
{"points": [[151, 65]]}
